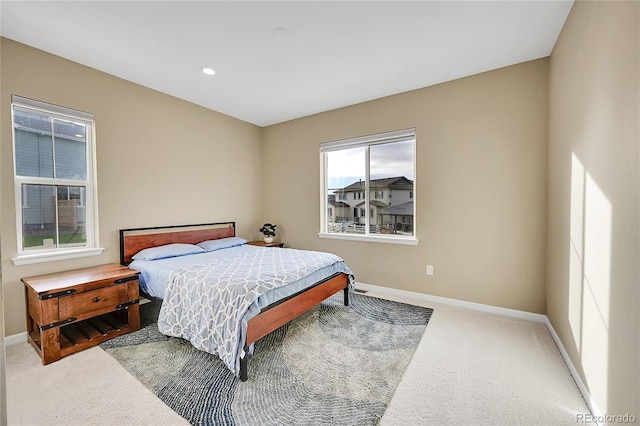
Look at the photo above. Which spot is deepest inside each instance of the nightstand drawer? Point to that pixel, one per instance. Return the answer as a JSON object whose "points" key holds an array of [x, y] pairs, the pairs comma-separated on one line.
{"points": [[85, 304]]}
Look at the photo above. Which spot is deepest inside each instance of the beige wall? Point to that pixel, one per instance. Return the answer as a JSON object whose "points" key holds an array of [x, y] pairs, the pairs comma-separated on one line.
{"points": [[3, 371], [480, 186], [593, 258], [484, 219], [161, 161]]}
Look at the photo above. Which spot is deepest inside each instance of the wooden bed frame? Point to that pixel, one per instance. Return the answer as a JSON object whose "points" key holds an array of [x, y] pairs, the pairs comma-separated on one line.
{"points": [[271, 317]]}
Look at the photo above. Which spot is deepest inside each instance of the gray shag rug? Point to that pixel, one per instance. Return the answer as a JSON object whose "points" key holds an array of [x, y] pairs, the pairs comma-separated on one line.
{"points": [[332, 365]]}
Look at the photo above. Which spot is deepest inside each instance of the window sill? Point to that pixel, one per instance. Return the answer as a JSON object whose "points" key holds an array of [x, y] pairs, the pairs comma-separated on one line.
{"points": [[412, 241], [27, 259]]}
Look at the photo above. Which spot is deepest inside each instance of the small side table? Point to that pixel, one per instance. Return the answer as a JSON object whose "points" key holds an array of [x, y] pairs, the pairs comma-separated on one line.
{"points": [[263, 244], [74, 310]]}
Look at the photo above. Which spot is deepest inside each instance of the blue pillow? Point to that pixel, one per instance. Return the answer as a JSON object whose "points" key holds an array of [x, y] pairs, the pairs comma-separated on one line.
{"points": [[222, 243], [168, 250]]}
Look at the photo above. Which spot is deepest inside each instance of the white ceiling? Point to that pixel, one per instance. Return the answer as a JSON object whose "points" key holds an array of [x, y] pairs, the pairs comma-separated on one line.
{"points": [[330, 54]]}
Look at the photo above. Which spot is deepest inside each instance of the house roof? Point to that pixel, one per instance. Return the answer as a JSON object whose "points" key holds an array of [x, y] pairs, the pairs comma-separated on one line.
{"points": [[340, 204], [397, 181], [404, 209], [377, 203]]}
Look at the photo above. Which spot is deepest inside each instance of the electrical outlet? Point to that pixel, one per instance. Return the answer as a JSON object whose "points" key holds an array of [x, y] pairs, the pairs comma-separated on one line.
{"points": [[429, 269]]}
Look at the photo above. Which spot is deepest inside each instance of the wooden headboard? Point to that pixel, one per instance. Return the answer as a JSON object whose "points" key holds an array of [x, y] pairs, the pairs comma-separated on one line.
{"points": [[135, 239]]}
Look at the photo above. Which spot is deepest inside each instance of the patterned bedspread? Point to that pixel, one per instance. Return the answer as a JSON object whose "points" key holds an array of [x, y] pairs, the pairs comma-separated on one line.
{"points": [[206, 303]]}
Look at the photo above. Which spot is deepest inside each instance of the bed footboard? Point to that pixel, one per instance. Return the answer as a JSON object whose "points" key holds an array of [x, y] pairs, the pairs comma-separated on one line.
{"points": [[278, 315]]}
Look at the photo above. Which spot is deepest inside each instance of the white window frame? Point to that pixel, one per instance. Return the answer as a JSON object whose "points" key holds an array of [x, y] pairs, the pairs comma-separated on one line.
{"points": [[365, 141], [92, 246]]}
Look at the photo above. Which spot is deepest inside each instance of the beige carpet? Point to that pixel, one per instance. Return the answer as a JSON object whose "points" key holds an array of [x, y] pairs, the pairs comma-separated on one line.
{"points": [[87, 388], [470, 368]]}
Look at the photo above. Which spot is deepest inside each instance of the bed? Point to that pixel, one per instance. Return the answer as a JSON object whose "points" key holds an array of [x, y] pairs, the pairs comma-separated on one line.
{"points": [[200, 272]]}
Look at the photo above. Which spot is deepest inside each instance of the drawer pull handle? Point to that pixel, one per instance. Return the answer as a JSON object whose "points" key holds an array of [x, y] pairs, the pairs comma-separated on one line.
{"points": [[96, 299]]}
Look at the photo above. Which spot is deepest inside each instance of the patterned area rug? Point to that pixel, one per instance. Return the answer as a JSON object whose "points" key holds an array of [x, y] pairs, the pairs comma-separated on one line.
{"points": [[332, 365]]}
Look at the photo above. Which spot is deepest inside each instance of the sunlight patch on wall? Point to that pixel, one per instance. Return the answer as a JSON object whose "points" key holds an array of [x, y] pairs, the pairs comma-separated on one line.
{"points": [[590, 276], [597, 247], [576, 249]]}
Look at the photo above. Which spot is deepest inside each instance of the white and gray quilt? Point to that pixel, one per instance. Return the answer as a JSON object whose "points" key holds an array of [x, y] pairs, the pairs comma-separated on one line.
{"points": [[210, 304]]}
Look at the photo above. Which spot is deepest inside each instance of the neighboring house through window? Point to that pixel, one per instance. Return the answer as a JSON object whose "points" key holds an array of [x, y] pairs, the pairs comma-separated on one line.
{"points": [[54, 176], [371, 168]]}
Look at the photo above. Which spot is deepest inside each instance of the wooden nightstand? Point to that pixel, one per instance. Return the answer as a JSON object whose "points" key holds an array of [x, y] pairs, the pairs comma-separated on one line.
{"points": [[263, 244], [74, 310]]}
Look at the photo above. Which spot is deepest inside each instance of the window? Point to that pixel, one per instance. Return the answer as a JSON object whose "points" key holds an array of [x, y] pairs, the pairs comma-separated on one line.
{"points": [[371, 167], [54, 160]]}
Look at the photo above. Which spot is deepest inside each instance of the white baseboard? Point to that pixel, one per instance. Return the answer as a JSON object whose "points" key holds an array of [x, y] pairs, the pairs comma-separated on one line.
{"points": [[572, 369], [15, 338], [513, 313]]}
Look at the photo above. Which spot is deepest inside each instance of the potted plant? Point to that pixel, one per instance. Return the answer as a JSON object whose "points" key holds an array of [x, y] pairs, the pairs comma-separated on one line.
{"points": [[269, 232]]}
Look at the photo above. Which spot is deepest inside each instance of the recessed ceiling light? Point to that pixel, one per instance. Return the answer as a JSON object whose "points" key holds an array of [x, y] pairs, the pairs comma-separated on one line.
{"points": [[208, 71]]}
